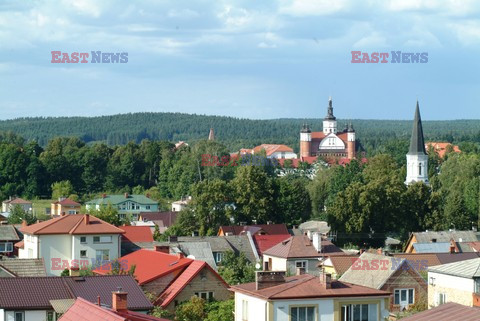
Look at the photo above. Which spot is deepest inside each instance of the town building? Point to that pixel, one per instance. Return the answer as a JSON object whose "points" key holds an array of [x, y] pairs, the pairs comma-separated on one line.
{"points": [[128, 206], [329, 143], [432, 241], [65, 206], [299, 252], [22, 267], [397, 276], [417, 158], [179, 205], [69, 241], [457, 282], [47, 298], [274, 297], [9, 204], [8, 237], [254, 229], [442, 148], [277, 151], [446, 312]]}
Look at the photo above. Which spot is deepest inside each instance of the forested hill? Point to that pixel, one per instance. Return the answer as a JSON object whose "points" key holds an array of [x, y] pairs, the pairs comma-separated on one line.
{"points": [[233, 132]]}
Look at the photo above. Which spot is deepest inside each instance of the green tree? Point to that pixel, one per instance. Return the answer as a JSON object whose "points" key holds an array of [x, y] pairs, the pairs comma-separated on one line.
{"points": [[220, 310], [61, 189], [108, 214], [18, 215], [293, 201], [236, 269], [192, 310]]}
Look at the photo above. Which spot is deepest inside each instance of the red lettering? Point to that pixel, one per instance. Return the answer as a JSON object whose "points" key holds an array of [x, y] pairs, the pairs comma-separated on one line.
{"points": [[84, 55], [65, 58], [374, 265], [74, 264], [384, 56], [65, 265], [56, 264], [356, 264], [374, 58], [225, 160], [75, 58], [355, 58], [206, 160], [84, 264], [55, 55], [365, 58], [365, 265], [384, 264]]}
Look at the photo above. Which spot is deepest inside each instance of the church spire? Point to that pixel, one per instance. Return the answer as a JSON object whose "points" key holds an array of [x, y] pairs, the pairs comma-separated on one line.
{"points": [[330, 110], [211, 135], [417, 145]]}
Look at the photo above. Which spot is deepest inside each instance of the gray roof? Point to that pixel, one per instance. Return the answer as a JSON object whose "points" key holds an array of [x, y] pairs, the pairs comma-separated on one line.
{"points": [[417, 145], [445, 236], [373, 278], [392, 241], [443, 247], [217, 243], [25, 267], [465, 269], [240, 243], [200, 250], [8, 233]]}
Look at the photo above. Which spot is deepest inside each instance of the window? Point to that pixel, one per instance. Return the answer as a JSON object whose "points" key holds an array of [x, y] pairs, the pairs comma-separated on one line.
{"points": [[477, 285], [19, 316], [6, 247], [83, 253], [83, 239], [102, 239], [102, 255], [301, 264], [147, 207], [302, 314], [404, 297], [122, 216], [244, 310], [441, 298], [72, 212], [205, 295], [420, 169], [51, 316], [219, 257], [359, 312]]}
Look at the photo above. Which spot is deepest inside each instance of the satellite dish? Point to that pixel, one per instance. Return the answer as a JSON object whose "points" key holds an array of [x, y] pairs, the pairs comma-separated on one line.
{"points": [[257, 266], [191, 257]]}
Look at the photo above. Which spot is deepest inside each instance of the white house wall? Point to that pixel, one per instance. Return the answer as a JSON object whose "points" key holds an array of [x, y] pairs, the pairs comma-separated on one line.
{"points": [[91, 247], [287, 155], [257, 308], [278, 264], [55, 247], [337, 143], [30, 315], [324, 307]]}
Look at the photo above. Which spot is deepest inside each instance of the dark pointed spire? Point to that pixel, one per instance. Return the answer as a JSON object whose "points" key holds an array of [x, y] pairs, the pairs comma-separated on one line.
{"points": [[417, 145], [330, 110], [350, 128]]}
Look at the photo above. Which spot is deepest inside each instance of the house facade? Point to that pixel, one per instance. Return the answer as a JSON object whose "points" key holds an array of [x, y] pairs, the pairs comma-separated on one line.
{"points": [[128, 206], [9, 204], [65, 206], [71, 241], [8, 237], [274, 297], [457, 282]]}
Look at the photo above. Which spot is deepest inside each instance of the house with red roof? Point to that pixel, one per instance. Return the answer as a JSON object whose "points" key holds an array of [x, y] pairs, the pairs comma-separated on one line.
{"points": [[172, 279], [299, 252], [65, 206], [265, 242], [8, 205], [83, 310], [275, 297], [137, 234], [71, 242]]}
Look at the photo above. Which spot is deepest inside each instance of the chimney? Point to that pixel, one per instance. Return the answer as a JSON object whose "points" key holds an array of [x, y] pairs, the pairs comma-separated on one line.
{"points": [[300, 271], [86, 219], [24, 223], [326, 280], [162, 248], [269, 222], [317, 241], [126, 195], [267, 279], [98, 300], [119, 300], [63, 214], [180, 256]]}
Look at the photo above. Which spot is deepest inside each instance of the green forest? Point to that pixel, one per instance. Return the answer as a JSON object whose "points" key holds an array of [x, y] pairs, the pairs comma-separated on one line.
{"points": [[234, 133], [363, 202]]}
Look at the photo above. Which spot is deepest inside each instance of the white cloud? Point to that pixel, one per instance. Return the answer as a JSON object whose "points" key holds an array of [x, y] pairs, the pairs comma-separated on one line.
{"points": [[468, 32], [313, 7], [182, 13], [234, 17]]}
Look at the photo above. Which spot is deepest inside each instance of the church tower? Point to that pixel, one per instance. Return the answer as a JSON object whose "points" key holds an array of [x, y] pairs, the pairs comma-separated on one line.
{"points": [[329, 122], [305, 141], [350, 141], [417, 159], [211, 135]]}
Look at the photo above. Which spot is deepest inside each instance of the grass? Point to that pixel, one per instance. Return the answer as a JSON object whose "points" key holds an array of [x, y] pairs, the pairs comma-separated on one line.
{"points": [[39, 206]]}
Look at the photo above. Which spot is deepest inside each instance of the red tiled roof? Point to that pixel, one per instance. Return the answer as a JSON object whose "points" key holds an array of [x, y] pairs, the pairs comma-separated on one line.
{"points": [[264, 242], [83, 310], [17, 200], [168, 218], [447, 312], [20, 244], [307, 286], [67, 202], [270, 229], [272, 148], [149, 265], [137, 234], [441, 148], [300, 246], [342, 263], [72, 224], [433, 259], [181, 282], [475, 246]]}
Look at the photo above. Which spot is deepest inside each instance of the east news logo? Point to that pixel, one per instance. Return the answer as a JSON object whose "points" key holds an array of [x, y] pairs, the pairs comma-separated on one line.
{"points": [[59, 57], [359, 57]]}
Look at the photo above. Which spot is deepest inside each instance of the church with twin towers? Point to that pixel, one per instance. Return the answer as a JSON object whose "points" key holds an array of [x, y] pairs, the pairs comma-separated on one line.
{"points": [[332, 143]]}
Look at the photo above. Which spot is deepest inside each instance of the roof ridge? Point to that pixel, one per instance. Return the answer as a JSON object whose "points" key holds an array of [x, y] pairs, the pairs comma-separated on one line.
{"points": [[50, 222], [72, 230], [301, 281]]}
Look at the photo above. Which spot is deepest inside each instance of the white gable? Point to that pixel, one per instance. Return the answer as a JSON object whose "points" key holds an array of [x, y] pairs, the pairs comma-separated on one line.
{"points": [[331, 141]]}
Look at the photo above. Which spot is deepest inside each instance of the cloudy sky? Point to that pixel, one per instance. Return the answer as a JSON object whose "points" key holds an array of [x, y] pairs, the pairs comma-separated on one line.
{"points": [[255, 59]]}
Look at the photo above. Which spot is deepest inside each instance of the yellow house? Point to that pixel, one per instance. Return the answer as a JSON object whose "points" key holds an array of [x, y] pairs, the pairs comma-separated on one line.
{"points": [[65, 206]]}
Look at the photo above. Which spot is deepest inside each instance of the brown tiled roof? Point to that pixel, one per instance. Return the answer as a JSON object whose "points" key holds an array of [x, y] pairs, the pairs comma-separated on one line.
{"points": [[272, 148], [447, 312], [301, 246], [36, 292], [168, 218], [270, 229], [307, 286], [72, 224], [17, 200], [342, 263], [438, 258], [431, 259]]}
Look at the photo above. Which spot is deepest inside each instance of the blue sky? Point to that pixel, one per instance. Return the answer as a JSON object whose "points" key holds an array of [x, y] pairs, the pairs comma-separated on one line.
{"points": [[254, 59]]}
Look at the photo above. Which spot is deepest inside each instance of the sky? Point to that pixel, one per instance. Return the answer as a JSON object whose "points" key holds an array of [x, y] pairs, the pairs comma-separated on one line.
{"points": [[249, 59]]}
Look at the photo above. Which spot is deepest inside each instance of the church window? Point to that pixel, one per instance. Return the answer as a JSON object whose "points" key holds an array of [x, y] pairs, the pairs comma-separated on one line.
{"points": [[420, 169]]}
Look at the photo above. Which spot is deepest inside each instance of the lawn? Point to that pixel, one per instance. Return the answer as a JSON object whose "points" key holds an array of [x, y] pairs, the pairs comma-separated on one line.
{"points": [[39, 206]]}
